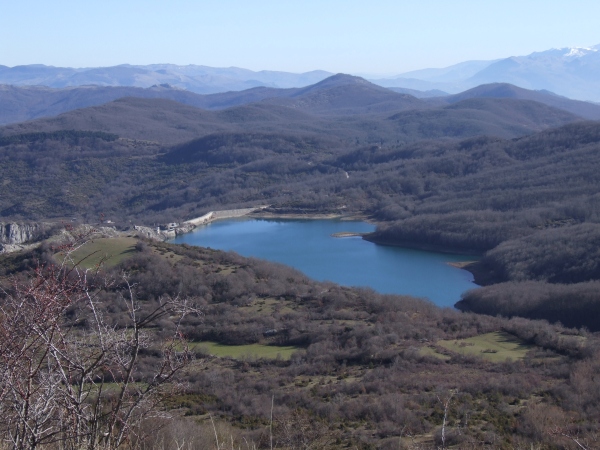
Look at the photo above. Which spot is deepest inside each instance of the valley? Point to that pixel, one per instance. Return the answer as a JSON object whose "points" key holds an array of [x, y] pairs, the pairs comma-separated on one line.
{"points": [[498, 174]]}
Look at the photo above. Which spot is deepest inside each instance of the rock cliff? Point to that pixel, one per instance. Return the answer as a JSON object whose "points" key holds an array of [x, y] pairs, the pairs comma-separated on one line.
{"points": [[20, 233], [15, 236]]}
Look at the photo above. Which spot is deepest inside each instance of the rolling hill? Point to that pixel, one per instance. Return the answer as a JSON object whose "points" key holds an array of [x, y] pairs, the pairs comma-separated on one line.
{"points": [[21, 103], [169, 122], [501, 172], [340, 94], [586, 110], [346, 94]]}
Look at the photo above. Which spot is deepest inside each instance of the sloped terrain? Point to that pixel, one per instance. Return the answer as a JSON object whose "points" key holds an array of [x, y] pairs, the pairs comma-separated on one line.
{"points": [[365, 370], [586, 110]]}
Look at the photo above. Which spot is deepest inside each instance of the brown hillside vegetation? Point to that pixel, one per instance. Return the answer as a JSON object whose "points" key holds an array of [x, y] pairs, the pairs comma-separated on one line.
{"points": [[99, 354], [370, 370]]}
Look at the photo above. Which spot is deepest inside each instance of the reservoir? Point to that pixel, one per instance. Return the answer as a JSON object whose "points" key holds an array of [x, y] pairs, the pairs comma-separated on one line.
{"points": [[308, 246]]}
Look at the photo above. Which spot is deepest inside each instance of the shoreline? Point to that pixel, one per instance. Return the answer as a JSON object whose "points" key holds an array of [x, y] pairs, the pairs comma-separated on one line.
{"points": [[425, 247], [253, 213], [313, 216], [481, 277]]}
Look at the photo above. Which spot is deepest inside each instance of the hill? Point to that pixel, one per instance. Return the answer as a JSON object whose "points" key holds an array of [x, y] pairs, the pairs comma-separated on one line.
{"points": [[527, 201], [346, 107], [492, 117], [586, 110], [136, 118], [346, 94], [340, 94], [355, 369], [251, 159], [21, 103]]}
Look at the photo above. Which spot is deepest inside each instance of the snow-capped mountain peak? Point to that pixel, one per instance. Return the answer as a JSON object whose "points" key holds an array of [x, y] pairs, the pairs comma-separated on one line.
{"points": [[577, 52]]}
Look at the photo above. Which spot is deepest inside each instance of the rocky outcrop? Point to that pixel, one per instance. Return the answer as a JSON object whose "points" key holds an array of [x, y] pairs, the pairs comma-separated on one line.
{"points": [[18, 236], [20, 233], [156, 234]]}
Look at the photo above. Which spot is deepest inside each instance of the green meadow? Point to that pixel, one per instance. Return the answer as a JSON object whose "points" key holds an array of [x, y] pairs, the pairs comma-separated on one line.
{"points": [[495, 347], [106, 251]]}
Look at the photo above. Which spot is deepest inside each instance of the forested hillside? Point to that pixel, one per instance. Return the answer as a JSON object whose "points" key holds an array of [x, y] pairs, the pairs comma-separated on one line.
{"points": [[511, 177], [512, 181]]}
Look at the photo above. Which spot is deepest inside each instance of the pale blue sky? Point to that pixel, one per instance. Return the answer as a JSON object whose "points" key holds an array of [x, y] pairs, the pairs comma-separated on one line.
{"points": [[366, 37]]}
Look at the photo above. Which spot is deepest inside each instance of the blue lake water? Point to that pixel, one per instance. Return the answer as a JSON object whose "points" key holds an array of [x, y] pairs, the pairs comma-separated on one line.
{"points": [[308, 246]]}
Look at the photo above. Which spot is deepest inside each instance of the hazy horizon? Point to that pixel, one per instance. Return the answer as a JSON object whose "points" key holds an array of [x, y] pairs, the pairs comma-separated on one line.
{"points": [[384, 39]]}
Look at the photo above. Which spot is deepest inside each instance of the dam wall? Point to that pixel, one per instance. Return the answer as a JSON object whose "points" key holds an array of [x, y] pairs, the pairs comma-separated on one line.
{"points": [[201, 220], [223, 214], [231, 213]]}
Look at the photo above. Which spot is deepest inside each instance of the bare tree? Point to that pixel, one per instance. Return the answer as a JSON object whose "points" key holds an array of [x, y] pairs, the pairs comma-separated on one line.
{"points": [[445, 402], [564, 432], [66, 374]]}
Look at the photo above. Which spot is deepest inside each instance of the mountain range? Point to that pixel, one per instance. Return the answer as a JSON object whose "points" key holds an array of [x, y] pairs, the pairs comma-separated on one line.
{"points": [[573, 72], [199, 79], [493, 169], [337, 95], [343, 106]]}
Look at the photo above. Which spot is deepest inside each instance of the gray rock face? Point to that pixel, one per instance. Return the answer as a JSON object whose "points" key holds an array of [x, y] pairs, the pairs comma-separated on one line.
{"points": [[18, 233]]}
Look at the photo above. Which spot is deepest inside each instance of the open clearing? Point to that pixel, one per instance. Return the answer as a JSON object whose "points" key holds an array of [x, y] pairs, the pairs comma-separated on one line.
{"points": [[110, 251], [495, 347], [249, 351]]}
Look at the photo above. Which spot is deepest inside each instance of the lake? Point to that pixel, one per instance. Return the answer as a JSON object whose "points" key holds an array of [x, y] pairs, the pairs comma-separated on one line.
{"points": [[308, 246]]}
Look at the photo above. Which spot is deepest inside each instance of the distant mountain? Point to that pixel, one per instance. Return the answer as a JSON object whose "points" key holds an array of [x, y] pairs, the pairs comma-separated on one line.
{"points": [[347, 94], [160, 120], [199, 79], [339, 94], [481, 116], [380, 116], [20, 103], [168, 122], [449, 74], [571, 72], [586, 110]]}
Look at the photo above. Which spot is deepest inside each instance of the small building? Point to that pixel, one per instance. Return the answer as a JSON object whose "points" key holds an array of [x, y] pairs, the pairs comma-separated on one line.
{"points": [[169, 226]]}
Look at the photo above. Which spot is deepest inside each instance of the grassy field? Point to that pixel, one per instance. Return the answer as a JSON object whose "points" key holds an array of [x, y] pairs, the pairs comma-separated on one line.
{"points": [[248, 351], [495, 347], [111, 250]]}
